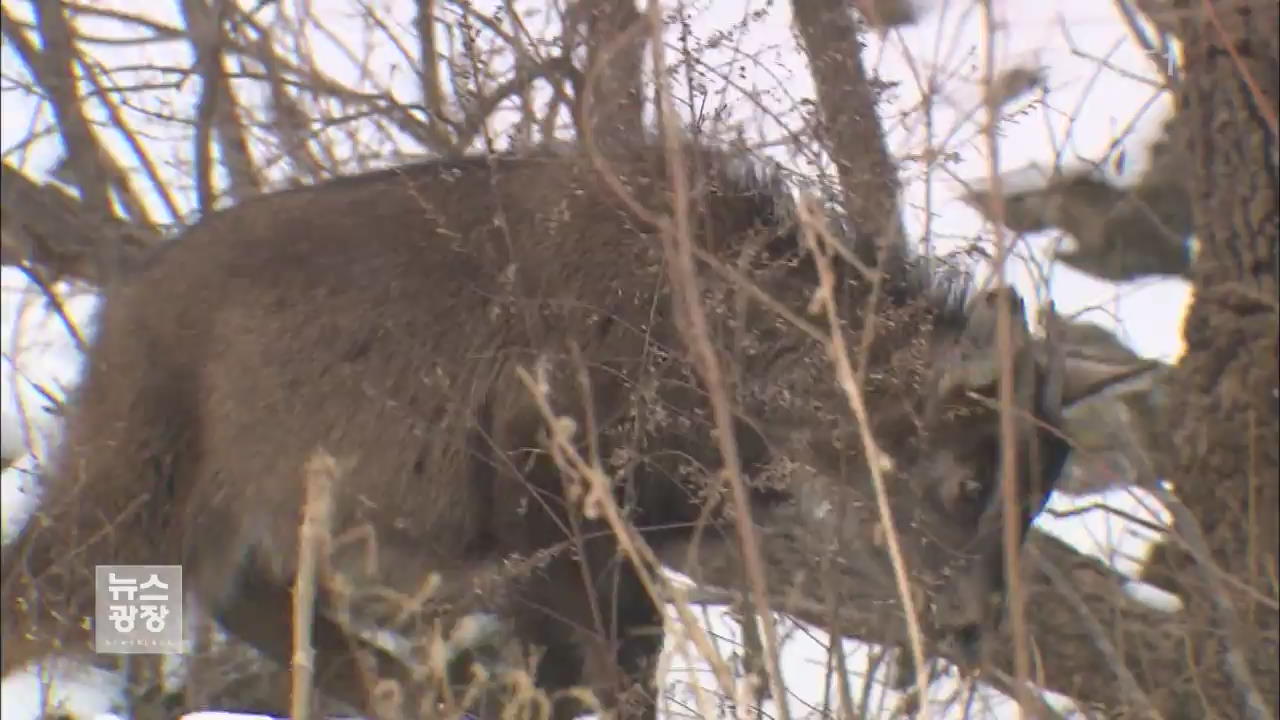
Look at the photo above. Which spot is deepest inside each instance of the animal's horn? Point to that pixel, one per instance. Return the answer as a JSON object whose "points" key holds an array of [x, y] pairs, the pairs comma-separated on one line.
{"points": [[1053, 362], [1085, 377]]}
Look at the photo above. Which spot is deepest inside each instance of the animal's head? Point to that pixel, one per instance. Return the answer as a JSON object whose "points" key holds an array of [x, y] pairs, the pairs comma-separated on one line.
{"points": [[930, 374], [957, 469], [931, 383]]}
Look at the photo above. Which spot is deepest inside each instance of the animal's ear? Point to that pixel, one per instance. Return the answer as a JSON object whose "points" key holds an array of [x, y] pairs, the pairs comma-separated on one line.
{"points": [[971, 359], [1085, 377]]}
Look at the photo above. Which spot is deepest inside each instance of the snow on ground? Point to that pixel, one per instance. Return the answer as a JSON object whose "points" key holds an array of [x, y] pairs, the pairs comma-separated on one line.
{"points": [[81, 691], [18, 496]]}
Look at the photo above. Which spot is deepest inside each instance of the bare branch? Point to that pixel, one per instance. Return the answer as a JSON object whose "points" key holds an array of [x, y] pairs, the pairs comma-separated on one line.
{"points": [[866, 608], [47, 228], [53, 67], [851, 130], [216, 112], [614, 56], [428, 60]]}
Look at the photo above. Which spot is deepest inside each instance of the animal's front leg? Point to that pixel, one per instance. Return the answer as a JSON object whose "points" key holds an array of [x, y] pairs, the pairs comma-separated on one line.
{"points": [[636, 654], [603, 635], [260, 612], [622, 660]]}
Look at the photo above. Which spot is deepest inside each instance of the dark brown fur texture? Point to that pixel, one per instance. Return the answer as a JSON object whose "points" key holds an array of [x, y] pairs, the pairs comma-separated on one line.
{"points": [[381, 318]]}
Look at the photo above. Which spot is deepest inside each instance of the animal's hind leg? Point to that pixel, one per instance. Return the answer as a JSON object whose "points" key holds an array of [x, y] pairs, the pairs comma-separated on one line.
{"points": [[260, 612]]}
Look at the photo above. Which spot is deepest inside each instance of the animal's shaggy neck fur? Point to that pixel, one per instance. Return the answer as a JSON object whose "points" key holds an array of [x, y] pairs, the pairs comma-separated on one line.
{"points": [[947, 287]]}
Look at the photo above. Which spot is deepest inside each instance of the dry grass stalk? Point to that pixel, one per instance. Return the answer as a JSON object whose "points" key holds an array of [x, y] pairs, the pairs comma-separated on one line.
{"points": [[313, 538], [600, 498], [814, 227], [1004, 344], [677, 239]]}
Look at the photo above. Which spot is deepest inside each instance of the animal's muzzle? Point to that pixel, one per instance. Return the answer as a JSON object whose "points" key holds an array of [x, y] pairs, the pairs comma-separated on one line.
{"points": [[967, 610]]}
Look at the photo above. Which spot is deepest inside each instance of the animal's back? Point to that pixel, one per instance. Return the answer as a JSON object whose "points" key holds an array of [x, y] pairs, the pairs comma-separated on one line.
{"points": [[379, 318]]}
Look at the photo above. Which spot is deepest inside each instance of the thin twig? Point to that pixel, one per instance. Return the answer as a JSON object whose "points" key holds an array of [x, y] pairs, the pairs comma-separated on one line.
{"points": [[630, 542], [33, 274], [1004, 342]]}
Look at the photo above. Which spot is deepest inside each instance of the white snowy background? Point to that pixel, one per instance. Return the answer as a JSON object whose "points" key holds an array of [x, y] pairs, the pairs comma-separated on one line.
{"points": [[1086, 108]]}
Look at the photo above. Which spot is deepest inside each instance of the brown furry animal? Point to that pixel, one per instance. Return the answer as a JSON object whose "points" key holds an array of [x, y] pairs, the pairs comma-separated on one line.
{"points": [[382, 318]]}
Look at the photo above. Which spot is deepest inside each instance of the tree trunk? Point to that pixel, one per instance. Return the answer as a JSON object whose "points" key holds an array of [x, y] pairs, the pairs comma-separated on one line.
{"points": [[1225, 435], [850, 128]]}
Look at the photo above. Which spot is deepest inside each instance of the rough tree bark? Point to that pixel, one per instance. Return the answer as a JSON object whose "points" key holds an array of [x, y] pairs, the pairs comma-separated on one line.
{"points": [[1225, 438]]}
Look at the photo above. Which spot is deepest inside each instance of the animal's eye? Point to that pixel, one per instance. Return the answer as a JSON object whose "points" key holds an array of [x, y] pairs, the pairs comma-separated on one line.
{"points": [[974, 486], [964, 494]]}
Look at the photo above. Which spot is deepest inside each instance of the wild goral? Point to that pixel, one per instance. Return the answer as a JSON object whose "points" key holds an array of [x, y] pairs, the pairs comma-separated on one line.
{"points": [[382, 318]]}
